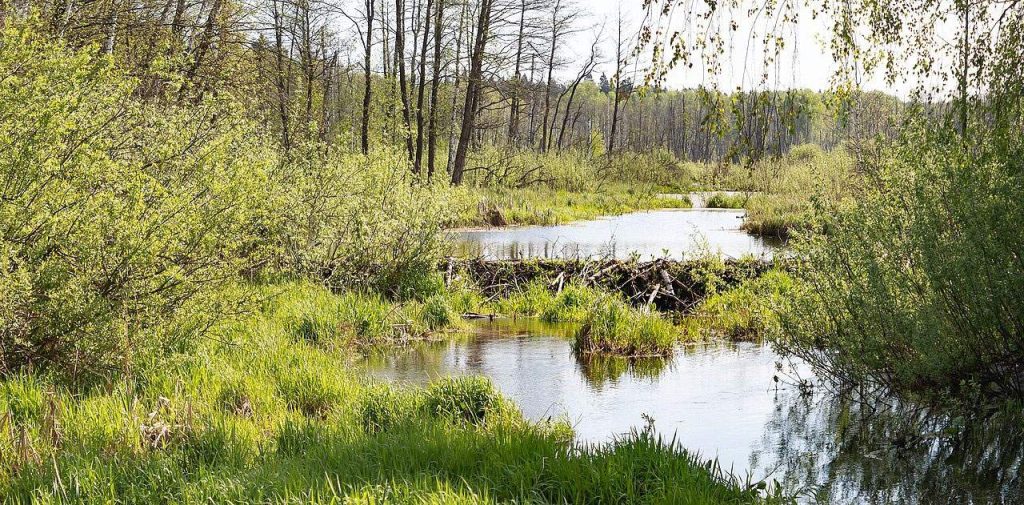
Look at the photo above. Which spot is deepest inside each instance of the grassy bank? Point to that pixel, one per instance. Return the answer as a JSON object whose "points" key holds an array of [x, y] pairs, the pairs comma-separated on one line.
{"points": [[263, 413], [744, 312], [608, 324], [541, 205]]}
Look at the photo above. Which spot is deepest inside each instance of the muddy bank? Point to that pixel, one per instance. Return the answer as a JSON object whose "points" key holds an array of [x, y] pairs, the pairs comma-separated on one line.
{"points": [[670, 285]]}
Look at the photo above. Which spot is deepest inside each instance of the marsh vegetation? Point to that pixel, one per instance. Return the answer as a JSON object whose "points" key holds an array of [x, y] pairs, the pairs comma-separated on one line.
{"points": [[215, 216]]}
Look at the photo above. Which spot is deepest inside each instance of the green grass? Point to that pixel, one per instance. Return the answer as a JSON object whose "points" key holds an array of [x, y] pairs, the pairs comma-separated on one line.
{"points": [[315, 315], [791, 185], [544, 206], [726, 201], [262, 413], [570, 305], [613, 327], [745, 312]]}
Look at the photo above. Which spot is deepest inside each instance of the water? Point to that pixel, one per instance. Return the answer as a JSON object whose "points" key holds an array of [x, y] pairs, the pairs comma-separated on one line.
{"points": [[723, 400], [673, 233]]}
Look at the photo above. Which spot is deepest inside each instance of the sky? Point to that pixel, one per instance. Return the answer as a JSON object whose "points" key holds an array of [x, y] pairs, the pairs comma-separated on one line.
{"points": [[805, 63]]}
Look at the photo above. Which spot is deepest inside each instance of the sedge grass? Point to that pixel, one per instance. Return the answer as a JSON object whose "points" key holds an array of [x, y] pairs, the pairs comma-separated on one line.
{"points": [[264, 414]]}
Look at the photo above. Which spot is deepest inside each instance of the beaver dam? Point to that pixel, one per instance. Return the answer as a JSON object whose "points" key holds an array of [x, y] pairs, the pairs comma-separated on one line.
{"points": [[669, 285]]}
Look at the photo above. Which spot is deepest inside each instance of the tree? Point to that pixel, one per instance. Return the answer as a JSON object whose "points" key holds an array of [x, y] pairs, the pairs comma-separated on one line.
{"points": [[469, 110]]}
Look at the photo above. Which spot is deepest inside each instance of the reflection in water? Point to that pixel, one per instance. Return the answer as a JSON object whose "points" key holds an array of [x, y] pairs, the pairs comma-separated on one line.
{"points": [[723, 401], [601, 370], [715, 399], [663, 233], [839, 450]]}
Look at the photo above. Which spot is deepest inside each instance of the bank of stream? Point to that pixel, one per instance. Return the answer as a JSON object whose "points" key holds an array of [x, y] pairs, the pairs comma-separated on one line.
{"points": [[758, 414], [664, 233]]}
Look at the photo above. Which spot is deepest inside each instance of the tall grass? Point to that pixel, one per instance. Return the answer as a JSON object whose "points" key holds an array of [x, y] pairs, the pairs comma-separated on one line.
{"points": [[613, 327], [791, 187], [258, 415], [726, 201], [541, 205], [745, 312], [527, 188]]}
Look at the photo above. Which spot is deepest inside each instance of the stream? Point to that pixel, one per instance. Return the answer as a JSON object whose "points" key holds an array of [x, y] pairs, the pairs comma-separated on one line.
{"points": [[739, 403], [666, 233], [723, 401]]}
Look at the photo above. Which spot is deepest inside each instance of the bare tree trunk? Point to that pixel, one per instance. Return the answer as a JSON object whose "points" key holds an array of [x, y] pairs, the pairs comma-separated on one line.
{"points": [[282, 84], [435, 83], [365, 124], [517, 82], [402, 84], [548, 83], [422, 89], [472, 87], [111, 35], [455, 88], [617, 89]]}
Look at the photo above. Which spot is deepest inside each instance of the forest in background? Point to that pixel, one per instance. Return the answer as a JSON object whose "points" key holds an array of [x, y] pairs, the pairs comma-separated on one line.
{"points": [[207, 207]]}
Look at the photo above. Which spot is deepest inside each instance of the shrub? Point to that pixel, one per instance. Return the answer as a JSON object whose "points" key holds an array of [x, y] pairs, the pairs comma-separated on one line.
{"points": [[365, 222], [468, 399], [917, 287], [118, 215]]}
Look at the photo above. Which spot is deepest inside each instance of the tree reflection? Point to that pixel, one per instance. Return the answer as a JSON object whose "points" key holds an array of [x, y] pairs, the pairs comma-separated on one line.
{"points": [[840, 449]]}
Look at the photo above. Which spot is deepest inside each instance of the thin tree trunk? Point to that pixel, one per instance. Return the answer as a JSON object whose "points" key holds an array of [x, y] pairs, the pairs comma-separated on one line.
{"points": [[365, 124], [422, 89], [435, 83], [472, 87], [400, 66], [282, 85], [513, 117], [455, 89]]}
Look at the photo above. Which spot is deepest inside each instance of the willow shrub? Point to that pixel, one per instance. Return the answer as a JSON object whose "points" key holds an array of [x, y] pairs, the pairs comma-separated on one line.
{"points": [[115, 216], [920, 287], [358, 221]]}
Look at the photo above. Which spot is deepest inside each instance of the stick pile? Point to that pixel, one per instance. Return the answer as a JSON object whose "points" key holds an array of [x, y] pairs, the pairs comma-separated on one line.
{"points": [[669, 285]]}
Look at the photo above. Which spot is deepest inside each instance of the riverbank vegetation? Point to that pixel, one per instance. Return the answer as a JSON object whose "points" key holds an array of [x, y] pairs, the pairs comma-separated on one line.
{"points": [[259, 412], [914, 288], [748, 311], [208, 209]]}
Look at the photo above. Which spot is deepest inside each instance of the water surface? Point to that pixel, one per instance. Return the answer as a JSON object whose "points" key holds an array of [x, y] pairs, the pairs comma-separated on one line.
{"points": [[739, 403], [673, 233]]}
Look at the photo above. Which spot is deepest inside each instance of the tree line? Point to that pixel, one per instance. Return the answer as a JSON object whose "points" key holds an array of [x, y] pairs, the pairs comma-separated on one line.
{"points": [[439, 79]]}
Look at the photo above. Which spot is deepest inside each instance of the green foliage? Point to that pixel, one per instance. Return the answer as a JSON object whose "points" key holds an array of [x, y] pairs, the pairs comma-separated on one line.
{"points": [[726, 201], [614, 327], [790, 189], [462, 399], [318, 316], [745, 312], [364, 221], [917, 287], [383, 408], [118, 215], [176, 437]]}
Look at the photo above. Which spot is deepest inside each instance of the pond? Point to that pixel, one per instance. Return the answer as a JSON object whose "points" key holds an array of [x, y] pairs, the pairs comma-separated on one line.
{"points": [[672, 233], [739, 403]]}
